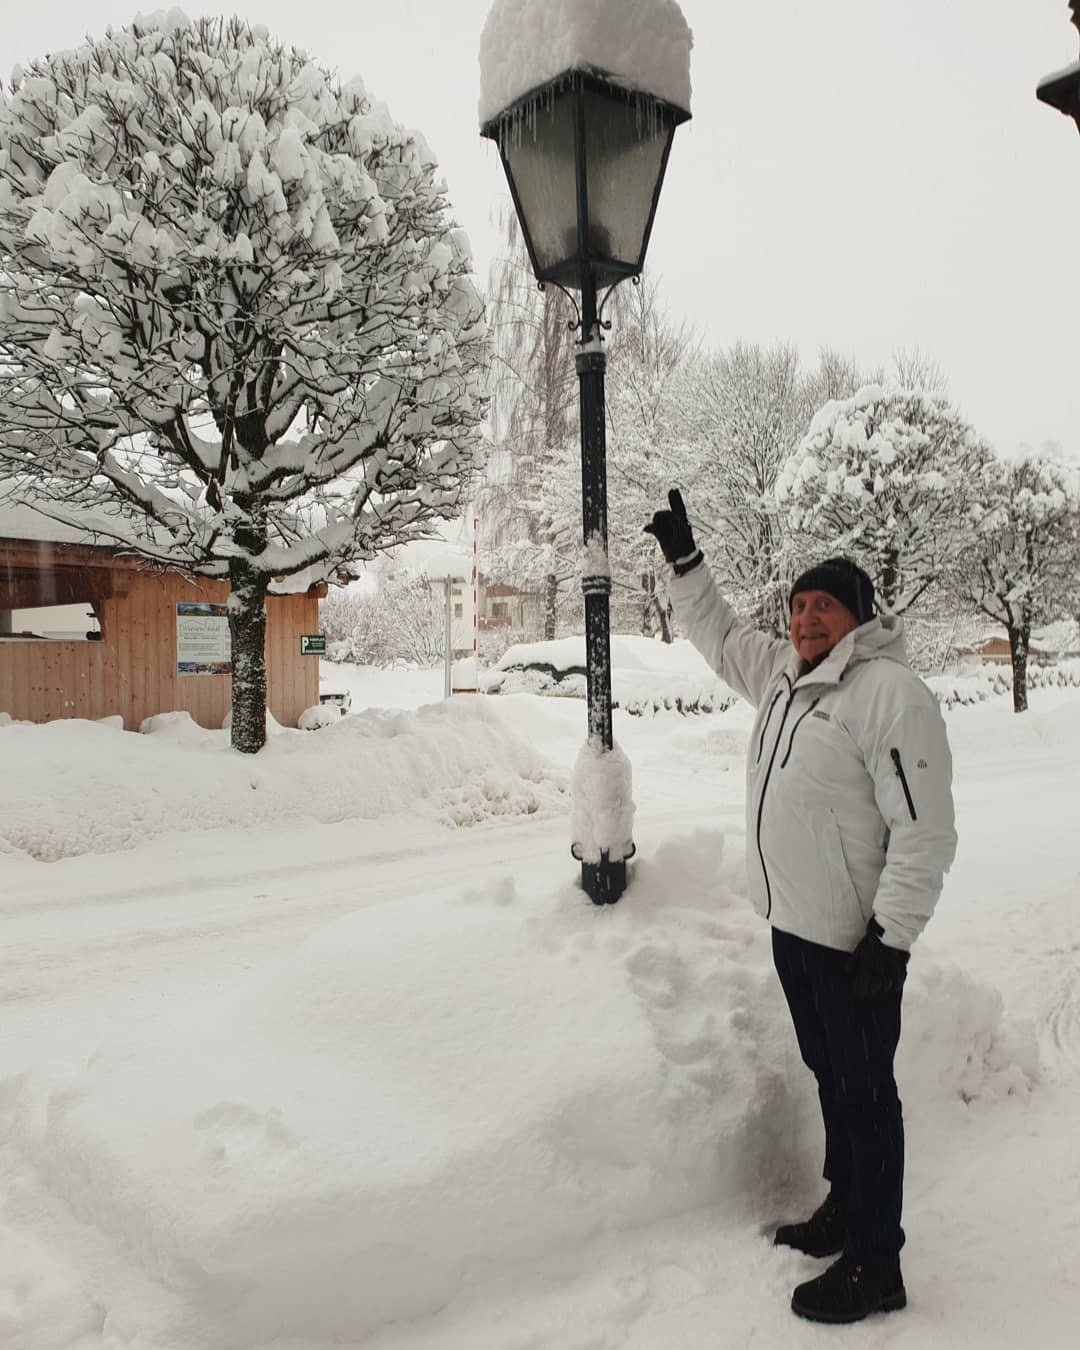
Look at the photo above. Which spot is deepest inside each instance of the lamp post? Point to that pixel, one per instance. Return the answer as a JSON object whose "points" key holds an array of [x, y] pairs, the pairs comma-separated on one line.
{"points": [[585, 156], [1062, 89]]}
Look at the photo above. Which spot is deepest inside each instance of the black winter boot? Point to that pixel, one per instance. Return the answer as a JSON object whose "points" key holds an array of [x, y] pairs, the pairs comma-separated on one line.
{"points": [[849, 1291], [821, 1235]]}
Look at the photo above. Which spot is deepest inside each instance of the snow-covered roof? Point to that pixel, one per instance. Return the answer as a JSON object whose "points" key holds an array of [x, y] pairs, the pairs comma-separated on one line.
{"points": [[644, 44], [447, 553], [433, 558], [20, 521]]}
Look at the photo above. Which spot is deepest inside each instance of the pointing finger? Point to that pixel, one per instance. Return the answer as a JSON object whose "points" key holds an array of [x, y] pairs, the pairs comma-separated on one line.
{"points": [[676, 503]]}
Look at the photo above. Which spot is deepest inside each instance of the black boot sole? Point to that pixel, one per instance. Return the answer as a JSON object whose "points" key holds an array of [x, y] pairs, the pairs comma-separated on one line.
{"points": [[893, 1303]]}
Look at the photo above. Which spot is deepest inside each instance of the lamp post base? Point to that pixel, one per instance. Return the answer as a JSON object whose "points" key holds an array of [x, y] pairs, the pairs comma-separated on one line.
{"points": [[605, 881]]}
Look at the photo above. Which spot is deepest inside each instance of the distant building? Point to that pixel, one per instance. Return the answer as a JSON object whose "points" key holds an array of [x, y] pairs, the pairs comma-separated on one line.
{"points": [[504, 606], [995, 651]]}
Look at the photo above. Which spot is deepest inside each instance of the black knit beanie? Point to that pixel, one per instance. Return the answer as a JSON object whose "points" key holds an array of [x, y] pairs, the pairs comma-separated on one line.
{"points": [[844, 581]]}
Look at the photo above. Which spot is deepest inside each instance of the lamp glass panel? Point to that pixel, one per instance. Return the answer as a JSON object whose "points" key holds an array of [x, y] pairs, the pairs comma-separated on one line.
{"points": [[624, 156], [539, 152]]}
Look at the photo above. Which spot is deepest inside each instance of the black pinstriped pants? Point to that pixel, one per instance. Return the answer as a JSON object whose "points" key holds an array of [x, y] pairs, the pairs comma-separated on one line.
{"points": [[849, 1044]]}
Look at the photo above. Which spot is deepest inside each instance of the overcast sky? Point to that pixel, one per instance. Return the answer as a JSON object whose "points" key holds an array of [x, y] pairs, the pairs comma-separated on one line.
{"points": [[865, 174]]}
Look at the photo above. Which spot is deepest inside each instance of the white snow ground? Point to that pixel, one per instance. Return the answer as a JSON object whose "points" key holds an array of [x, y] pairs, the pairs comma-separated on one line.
{"points": [[347, 1057]]}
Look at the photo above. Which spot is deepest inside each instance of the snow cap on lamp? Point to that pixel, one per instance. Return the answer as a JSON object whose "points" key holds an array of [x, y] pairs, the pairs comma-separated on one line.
{"points": [[643, 44]]}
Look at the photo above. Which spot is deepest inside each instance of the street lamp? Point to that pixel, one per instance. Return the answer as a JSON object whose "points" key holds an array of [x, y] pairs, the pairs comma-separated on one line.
{"points": [[585, 153], [1062, 89]]}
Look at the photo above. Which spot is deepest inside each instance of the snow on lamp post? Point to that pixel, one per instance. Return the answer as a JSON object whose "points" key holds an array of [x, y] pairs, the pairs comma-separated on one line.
{"points": [[582, 98], [1061, 90]]}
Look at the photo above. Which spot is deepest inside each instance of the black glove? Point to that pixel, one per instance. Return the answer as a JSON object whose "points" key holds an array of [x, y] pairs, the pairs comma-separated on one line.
{"points": [[874, 968], [673, 534]]}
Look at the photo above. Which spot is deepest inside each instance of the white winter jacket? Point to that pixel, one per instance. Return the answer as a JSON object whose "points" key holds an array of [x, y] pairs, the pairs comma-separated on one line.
{"points": [[849, 809]]}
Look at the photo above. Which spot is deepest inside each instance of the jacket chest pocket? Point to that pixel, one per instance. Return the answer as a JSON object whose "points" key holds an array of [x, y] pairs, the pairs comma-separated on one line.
{"points": [[822, 756]]}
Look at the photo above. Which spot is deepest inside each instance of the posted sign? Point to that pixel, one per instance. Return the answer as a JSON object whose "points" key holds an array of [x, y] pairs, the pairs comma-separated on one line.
{"points": [[203, 644], [312, 644]]}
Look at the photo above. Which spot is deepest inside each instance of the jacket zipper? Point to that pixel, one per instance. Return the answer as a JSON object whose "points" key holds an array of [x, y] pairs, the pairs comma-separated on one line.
{"points": [[765, 784], [765, 724], [794, 729], [903, 782]]}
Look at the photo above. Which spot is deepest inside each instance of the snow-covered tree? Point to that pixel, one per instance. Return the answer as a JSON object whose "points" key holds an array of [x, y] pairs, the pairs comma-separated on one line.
{"points": [[745, 415], [404, 619], [236, 321], [942, 625], [913, 368], [648, 385], [526, 541], [836, 376], [885, 476], [1022, 567]]}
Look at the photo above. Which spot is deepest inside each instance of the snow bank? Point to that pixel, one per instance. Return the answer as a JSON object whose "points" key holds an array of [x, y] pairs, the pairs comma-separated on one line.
{"points": [[644, 43], [415, 1098], [74, 787], [424, 1095]]}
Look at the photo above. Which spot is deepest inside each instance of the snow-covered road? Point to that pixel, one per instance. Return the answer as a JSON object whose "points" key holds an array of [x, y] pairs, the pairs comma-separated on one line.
{"points": [[103, 952]]}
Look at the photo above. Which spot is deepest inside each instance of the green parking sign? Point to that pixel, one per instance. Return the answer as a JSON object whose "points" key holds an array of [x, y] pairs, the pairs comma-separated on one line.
{"points": [[312, 644]]}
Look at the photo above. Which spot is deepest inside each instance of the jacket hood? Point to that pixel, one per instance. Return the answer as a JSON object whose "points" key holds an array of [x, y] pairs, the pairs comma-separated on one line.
{"points": [[882, 636]]}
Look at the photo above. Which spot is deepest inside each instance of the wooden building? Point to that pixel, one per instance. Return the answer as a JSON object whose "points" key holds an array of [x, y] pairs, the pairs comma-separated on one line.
{"points": [[132, 661]]}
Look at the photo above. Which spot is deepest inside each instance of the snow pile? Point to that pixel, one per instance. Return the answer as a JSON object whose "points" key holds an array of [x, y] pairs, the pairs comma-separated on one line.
{"points": [[644, 43], [273, 726], [76, 787], [956, 1042], [647, 676], [319, 716], [422, 1097]]}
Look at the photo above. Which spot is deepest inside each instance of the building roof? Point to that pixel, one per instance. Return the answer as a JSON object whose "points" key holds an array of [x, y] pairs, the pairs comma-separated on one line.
{"points": [[19, 521], [22, 523], [449, 553]]}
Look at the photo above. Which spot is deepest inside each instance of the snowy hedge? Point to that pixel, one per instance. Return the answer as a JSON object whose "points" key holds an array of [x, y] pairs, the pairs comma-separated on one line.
{"points": [[960, 690]]}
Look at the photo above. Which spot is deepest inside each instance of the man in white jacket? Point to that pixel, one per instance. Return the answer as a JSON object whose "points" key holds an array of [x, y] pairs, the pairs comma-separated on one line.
{"points": [[850, 830]]}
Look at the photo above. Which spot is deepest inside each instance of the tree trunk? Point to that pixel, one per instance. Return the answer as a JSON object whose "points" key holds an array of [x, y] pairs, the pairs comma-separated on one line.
{"points": [[247, 628], [1019, 640], [551, 600], [654, 614]]}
